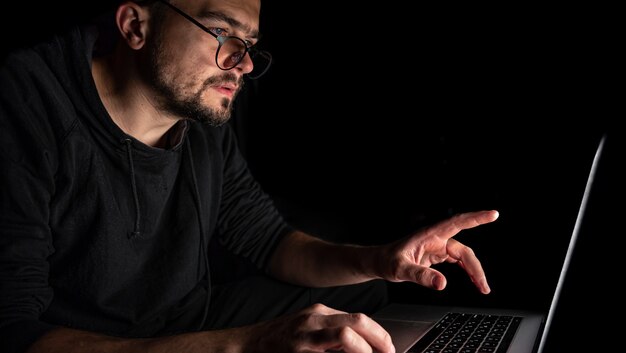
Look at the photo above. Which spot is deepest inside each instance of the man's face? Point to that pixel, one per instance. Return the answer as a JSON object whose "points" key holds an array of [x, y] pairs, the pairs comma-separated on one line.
{"points": [[180, 56]]}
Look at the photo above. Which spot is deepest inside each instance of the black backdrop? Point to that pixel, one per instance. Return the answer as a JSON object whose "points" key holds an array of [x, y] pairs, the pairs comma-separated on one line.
{"points": [[378, 120]]}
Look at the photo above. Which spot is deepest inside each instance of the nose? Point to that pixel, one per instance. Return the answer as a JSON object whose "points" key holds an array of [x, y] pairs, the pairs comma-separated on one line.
{"points": [[245, 65]]}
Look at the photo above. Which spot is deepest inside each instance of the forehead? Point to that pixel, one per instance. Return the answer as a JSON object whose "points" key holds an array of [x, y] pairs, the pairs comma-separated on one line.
{"points": [[245, 11]]}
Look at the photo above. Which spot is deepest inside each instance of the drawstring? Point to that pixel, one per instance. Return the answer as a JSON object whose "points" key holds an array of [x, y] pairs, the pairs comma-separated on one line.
{"points": [[203, 247], [135, 233]]}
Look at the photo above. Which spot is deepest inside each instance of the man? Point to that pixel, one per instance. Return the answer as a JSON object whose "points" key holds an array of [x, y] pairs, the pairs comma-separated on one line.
{"points": [[118, 170]]}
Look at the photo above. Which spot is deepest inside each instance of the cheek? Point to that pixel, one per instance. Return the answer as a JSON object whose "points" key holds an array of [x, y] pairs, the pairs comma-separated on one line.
{"points": [[188, 54], [197, 65], [186, 72], [193, 51]]}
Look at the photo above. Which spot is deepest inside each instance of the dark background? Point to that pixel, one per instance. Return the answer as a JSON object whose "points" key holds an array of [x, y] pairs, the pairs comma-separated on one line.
{"points": [[375, 121]]}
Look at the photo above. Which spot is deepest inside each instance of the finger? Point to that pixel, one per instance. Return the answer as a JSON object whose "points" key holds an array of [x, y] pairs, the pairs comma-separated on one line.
{"points": [[352, 342], [424, 276], [339, 339], [319, 308], [469, 262], [371, 331], [453, 225]]}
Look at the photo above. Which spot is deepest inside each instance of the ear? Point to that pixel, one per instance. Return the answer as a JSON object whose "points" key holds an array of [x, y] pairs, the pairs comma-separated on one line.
{"points": [[132, 22]]}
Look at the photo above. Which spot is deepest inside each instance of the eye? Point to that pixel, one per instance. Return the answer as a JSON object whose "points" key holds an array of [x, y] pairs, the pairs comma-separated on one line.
{"points": [[219, 31]]}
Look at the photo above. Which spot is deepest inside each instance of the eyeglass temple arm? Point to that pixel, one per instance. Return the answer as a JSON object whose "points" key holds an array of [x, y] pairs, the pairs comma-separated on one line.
{"points": [[180, 12]]}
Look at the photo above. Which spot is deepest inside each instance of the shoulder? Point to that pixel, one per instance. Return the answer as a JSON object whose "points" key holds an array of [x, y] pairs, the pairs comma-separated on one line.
{"points": [[43, 63], [42, 85]]}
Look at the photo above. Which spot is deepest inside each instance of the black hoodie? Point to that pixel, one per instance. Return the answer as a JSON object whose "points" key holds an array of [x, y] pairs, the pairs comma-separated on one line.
{"points": [[99, 231]]}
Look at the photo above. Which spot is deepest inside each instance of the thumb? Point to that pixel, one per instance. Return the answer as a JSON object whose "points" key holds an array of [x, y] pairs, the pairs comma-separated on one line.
{"points": [[424, 276], [438, 281]]}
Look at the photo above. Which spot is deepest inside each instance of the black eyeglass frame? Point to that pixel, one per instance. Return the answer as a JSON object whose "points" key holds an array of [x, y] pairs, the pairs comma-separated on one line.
{"points": [[222, 39]]}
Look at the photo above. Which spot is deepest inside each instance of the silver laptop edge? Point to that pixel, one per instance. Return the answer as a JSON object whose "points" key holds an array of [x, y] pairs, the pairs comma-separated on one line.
{"points": [[570, 248]]}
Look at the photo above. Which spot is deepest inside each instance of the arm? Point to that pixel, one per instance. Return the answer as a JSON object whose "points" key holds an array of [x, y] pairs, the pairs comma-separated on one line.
{"points": [[315, 329], [303, 259], [64, 340]]}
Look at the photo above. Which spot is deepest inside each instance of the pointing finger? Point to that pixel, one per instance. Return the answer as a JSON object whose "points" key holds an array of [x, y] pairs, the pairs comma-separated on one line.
{"points": [[450, 227]]}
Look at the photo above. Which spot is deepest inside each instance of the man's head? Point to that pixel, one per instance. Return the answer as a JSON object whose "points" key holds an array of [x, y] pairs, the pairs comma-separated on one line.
{"points": [[177, 58]]}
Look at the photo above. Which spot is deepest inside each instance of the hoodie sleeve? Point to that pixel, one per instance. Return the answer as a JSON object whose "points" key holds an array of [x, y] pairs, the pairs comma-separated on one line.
{"points": [[249, 224], [26, 188]]}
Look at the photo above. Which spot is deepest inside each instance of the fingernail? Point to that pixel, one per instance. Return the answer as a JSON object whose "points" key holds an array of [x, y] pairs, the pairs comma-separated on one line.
{"points": [[486, 289], [438, 283]]}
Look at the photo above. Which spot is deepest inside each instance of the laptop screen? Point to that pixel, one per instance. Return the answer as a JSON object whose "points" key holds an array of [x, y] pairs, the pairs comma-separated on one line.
{"points": [[577, 298]]}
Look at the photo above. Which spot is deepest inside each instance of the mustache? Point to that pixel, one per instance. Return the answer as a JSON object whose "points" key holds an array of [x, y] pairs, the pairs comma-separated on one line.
{"points": [[227, 77]]}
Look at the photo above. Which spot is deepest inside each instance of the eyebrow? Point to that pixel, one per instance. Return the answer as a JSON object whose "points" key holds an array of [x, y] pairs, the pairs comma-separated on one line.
{"points": [[220, 16]]}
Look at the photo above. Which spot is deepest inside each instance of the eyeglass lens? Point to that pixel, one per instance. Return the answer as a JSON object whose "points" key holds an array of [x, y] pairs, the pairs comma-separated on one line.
{"points": [[233, 50]]}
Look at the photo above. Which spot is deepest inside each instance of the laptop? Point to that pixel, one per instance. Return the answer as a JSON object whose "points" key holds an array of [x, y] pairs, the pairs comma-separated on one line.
{"points": [[443, 329]]}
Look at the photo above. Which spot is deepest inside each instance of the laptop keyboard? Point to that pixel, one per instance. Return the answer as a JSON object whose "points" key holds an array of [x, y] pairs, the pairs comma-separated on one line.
{"points": [[469, 333]]}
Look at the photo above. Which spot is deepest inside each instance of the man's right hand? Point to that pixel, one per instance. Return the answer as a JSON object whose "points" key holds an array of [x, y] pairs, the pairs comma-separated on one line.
{"points": [[319, 328]]}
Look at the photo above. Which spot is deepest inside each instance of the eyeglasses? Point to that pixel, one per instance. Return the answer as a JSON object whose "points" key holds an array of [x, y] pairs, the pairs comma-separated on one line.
{"points": [[232, 50]]}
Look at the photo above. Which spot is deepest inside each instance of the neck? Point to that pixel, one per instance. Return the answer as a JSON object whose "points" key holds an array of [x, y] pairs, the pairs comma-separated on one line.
{"points": [[130, 102]]}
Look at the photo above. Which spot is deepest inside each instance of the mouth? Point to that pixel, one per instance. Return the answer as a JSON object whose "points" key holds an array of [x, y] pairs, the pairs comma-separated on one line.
{"points": [[226, 89]]}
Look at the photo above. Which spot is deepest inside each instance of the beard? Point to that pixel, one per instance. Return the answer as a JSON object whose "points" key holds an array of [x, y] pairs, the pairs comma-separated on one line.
{"points": [[175, 99]]}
